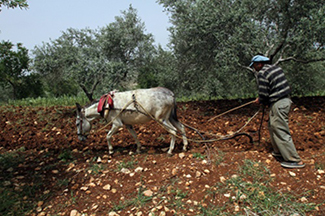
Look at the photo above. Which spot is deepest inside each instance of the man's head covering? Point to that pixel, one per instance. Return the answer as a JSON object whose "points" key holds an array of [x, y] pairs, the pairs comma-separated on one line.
{"points": [[259, 58]]}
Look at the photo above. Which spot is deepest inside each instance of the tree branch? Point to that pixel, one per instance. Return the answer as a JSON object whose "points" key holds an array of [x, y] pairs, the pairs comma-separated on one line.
{"points": [[299, 60], [277, 49], [89, 95]]}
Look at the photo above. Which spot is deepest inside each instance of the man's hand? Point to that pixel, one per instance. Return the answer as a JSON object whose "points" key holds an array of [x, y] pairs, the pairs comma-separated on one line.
{"points": [[257, 101]]}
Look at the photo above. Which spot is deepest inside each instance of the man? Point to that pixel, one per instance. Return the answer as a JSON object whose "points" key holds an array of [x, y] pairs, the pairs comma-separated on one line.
{"points": [[274, 91]]}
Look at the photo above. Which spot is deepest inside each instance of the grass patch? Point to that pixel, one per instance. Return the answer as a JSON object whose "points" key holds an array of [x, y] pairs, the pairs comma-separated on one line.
{"points": [[11, 159], [199, 156], [66, 156], [96, 169], [59, 101], [17, 199], [320, 166], [250, 193], [127, 164], [138, 201]]}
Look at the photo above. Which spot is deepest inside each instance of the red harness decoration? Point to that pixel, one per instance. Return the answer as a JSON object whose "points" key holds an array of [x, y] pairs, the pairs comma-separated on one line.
{"points": [[107, 98]]}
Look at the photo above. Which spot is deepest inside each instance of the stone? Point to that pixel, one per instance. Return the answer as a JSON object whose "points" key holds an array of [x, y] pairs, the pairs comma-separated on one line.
{"points": [[320, 171], [74, 212], [40, 203], [125, 171], [84, 188], [222, 179], [234, 176], [113, 214], [181, 155], [138, 169], [292, 174], [303, 199], [148, 193], [107, 187]]}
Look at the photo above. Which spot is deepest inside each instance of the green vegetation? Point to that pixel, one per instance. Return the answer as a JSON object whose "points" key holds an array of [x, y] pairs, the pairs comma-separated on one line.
{"points": [[48, 101], [211, 46], [139, 200], [250, 191], [126, 164], [11, 199], [198, 155]]}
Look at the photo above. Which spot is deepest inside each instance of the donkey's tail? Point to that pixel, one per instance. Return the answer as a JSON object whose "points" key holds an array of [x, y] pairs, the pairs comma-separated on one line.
{"points": [[173, 114]]}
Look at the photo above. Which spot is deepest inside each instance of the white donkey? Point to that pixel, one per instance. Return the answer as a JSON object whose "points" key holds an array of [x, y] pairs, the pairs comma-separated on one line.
{"points": [[158, 102]]}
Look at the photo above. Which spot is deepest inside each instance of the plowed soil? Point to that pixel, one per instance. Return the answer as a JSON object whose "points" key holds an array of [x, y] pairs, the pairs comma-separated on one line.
{"points": [[82, 178]]}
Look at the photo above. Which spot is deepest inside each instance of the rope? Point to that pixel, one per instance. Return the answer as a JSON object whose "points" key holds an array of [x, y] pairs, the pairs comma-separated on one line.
{"points": [[122, 110], [224, 137], [232, 110]]}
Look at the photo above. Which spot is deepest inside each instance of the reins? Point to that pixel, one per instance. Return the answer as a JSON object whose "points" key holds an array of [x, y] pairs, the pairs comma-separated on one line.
{"points": [[225, 137], [246, 104]]}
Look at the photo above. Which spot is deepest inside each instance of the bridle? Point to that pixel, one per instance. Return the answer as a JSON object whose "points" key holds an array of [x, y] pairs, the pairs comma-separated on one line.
{"points": [[81, 117], [80, 125]]}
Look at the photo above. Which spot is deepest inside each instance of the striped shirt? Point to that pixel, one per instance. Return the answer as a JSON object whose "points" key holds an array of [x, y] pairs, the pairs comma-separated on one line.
{"points": [[272, 84]]}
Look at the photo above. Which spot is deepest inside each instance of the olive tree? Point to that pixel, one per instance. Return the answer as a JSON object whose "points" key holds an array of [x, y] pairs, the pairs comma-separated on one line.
{"points": [[72, 59], [125, 43], [104, 59], [13, 65], [13, 4], [214, 41]]}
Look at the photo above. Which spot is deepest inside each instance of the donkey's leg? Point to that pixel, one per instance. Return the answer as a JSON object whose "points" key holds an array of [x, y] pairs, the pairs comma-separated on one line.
{"points": [[172, 130], [181, 128], [109, 135], [134, 134]]}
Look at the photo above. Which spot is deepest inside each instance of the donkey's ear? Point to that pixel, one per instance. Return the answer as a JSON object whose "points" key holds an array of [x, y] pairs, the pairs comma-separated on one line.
{"points": [[78, 107]]}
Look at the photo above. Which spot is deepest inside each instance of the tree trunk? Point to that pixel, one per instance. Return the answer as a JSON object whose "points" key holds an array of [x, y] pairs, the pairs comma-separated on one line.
{"points": [[88, 94]]}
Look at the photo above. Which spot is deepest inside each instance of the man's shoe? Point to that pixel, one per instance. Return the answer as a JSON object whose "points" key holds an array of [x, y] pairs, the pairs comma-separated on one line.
{"points": [[292, 165], [277, 156]]}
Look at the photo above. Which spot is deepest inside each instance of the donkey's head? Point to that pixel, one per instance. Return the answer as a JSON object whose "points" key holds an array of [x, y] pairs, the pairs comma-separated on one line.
{"points": [[83, 125]]}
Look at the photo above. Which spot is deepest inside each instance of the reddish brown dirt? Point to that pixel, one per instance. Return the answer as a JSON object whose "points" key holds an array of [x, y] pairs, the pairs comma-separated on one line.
{"points": [[73, 177]]}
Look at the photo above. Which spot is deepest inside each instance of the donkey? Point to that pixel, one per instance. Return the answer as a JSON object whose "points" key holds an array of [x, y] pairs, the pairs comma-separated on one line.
{"points": [[158, 103]]}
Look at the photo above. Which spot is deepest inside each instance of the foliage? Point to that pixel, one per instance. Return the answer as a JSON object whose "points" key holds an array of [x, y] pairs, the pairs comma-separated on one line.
{"points": [[13, 4], [73, 57], [14, 72], [8, 196], [129, 49], [101, 59], [214, 41], [211, 44], [49, 101], [160, 71]]}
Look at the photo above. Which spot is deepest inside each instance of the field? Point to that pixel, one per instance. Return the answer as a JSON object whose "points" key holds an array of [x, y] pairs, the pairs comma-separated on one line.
{"points": [[45, 170]]}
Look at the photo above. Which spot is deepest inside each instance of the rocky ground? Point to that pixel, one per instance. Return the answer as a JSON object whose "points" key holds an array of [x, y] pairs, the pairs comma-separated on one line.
{"points": [[55, 174]]}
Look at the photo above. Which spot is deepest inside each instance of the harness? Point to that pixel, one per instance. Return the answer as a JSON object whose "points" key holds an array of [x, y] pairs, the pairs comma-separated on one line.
{"points": [[105, 104]]}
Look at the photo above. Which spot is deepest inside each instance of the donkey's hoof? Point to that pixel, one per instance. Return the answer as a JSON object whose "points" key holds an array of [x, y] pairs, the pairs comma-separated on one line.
{"points": [[169, 154]]}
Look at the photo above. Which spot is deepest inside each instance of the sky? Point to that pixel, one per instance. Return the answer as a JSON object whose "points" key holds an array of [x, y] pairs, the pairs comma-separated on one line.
{"points": [[45, 20]]}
